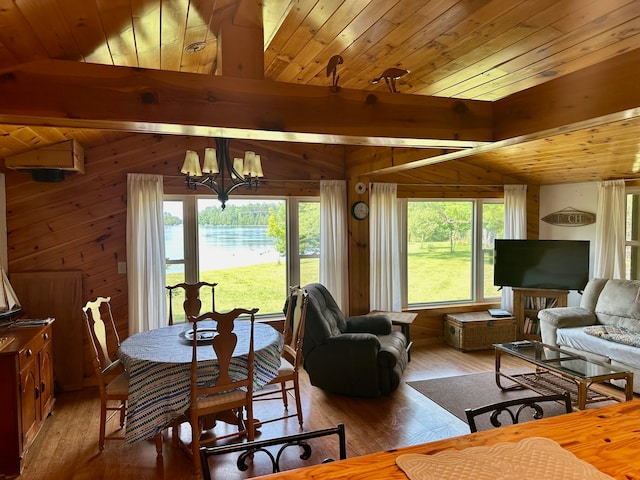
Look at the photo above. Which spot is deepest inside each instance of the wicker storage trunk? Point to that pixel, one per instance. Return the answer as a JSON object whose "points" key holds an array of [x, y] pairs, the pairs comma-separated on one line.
{"points": [[478, 330]]}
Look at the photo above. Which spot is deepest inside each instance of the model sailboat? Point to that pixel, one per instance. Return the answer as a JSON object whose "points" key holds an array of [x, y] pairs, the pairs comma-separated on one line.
{"points": [[9, 303]]}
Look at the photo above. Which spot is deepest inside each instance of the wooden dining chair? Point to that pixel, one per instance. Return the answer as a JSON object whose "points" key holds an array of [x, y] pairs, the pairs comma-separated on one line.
{"points": [[511, 409], [290, 357], [215, 388], [192, 303], [113, 380]]}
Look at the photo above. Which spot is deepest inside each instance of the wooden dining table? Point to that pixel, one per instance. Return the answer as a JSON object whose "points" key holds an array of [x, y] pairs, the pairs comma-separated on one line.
{"points": [[607, 438], [159, 361]]}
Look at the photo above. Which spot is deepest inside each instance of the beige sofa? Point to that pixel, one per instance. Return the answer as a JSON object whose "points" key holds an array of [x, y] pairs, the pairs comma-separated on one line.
{"points": [[605, 327]]}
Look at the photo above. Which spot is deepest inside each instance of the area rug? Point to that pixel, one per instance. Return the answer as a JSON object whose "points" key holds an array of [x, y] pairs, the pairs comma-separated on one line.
{"points": [[454, 394]]}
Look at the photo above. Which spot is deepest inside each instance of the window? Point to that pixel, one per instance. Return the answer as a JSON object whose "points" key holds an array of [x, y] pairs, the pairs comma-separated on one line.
{"points": [[450, 249], [253, 250], [632, 248]]}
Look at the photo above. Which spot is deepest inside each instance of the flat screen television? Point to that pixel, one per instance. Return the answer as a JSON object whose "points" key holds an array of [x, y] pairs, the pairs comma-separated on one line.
{"points": [[552, 264]]}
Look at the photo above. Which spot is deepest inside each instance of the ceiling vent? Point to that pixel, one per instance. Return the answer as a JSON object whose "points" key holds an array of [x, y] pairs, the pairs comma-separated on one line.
{"points": [[50, 163]]}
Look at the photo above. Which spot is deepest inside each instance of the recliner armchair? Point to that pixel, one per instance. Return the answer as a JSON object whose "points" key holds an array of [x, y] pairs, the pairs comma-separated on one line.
{"points": [[359, 356]]}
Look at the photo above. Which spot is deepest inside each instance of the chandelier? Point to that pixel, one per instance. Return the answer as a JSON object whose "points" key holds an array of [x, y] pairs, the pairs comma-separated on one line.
{"points": [[220, 174]]}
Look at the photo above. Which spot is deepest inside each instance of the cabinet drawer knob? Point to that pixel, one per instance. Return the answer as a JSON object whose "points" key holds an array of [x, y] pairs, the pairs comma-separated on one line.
{"points": [[29, 352], [45, 336]]}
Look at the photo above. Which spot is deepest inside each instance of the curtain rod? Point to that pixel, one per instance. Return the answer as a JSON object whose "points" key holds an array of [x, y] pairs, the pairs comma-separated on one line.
{"points": [[448, 185], [267, 180]]}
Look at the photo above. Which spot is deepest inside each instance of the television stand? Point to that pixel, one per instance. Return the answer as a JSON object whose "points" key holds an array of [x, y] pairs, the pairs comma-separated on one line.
{"points": [[527, 302]]}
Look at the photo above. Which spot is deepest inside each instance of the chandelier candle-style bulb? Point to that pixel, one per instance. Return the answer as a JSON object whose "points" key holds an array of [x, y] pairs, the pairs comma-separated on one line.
{"points": [[258, 168], [210, 164], [237, 166], [252, 165], [191, 165]]}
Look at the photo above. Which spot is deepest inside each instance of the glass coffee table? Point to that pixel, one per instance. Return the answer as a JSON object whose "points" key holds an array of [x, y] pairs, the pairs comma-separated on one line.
{"points": [[557, 371]]}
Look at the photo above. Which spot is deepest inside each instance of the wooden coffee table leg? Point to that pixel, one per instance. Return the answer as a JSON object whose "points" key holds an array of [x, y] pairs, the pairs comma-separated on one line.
{"points": [[628, 387], [582, 395]]}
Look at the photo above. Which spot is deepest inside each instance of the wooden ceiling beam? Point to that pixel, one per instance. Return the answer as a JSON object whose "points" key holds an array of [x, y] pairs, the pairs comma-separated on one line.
{"points": [[595, 96], [603, 90], [71, 94], [241, 42]]}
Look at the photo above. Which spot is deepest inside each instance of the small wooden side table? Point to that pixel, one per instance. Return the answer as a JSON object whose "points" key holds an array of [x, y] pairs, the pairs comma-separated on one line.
{"points": [[404, 321]]}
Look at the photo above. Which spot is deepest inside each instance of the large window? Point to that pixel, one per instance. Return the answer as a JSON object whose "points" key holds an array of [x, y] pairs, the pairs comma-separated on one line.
{"points": [[450, 250], [632, 253], [253, 250]]}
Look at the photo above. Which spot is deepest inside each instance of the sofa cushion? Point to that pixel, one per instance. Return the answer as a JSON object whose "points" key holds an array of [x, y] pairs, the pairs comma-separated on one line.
{"points": [[619, 304], [591, 293], [577, 339]]}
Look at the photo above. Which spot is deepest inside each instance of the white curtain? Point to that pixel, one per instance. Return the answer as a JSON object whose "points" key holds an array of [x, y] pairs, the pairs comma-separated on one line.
{"points": [[145, 253], [515, 226], [609, 247], [384, 245], [334, 266]]}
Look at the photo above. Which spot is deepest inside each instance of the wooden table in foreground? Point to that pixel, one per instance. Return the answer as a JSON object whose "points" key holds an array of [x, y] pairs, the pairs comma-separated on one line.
{"points": [[606, 437]]}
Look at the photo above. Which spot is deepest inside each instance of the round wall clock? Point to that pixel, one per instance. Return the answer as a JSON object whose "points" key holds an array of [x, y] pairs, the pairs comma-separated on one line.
{"points": [[360, 188], [360, 210]]}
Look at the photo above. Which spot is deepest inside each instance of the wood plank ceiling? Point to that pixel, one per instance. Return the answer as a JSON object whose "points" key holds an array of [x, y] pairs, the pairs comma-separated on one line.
{"points": [[468, 49]]}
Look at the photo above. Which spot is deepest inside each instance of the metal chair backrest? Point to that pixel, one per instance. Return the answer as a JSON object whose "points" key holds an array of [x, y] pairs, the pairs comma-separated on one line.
{"points": [[250, 448], [192, 303], [511, 409]]}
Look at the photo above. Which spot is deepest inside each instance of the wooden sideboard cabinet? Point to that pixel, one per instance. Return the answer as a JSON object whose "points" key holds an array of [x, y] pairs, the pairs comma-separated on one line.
{"points": [[26, 396]]}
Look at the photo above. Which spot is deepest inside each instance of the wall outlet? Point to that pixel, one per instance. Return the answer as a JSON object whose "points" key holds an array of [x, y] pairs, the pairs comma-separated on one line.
{"points": [[122, 267]]}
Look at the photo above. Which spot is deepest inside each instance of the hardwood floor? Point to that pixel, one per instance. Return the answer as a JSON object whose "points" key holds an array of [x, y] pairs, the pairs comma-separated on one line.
{"points": [[67, 447]]}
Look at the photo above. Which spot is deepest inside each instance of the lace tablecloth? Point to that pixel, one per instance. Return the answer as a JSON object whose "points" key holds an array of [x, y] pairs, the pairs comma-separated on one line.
{"points": [[534, 457], [159, 363]]}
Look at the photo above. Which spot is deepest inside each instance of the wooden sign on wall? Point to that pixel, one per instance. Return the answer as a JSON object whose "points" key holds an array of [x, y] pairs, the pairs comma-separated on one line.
{"points": [[570, 217]]}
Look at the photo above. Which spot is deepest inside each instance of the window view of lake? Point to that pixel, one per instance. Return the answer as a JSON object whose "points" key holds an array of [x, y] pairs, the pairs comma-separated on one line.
{"points": [[222, 246]]}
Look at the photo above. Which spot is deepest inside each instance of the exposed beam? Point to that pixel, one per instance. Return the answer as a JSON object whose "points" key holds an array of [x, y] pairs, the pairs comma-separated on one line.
{"points": [[71, 94], [598, 91], [387, 165], [588, 98], [241, 42]]}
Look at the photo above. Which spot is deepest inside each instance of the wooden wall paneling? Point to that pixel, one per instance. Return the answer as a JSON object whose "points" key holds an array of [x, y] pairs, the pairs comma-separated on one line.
{"points": [[58, 295], [359, 250], [362, 160], [358, 244]]}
